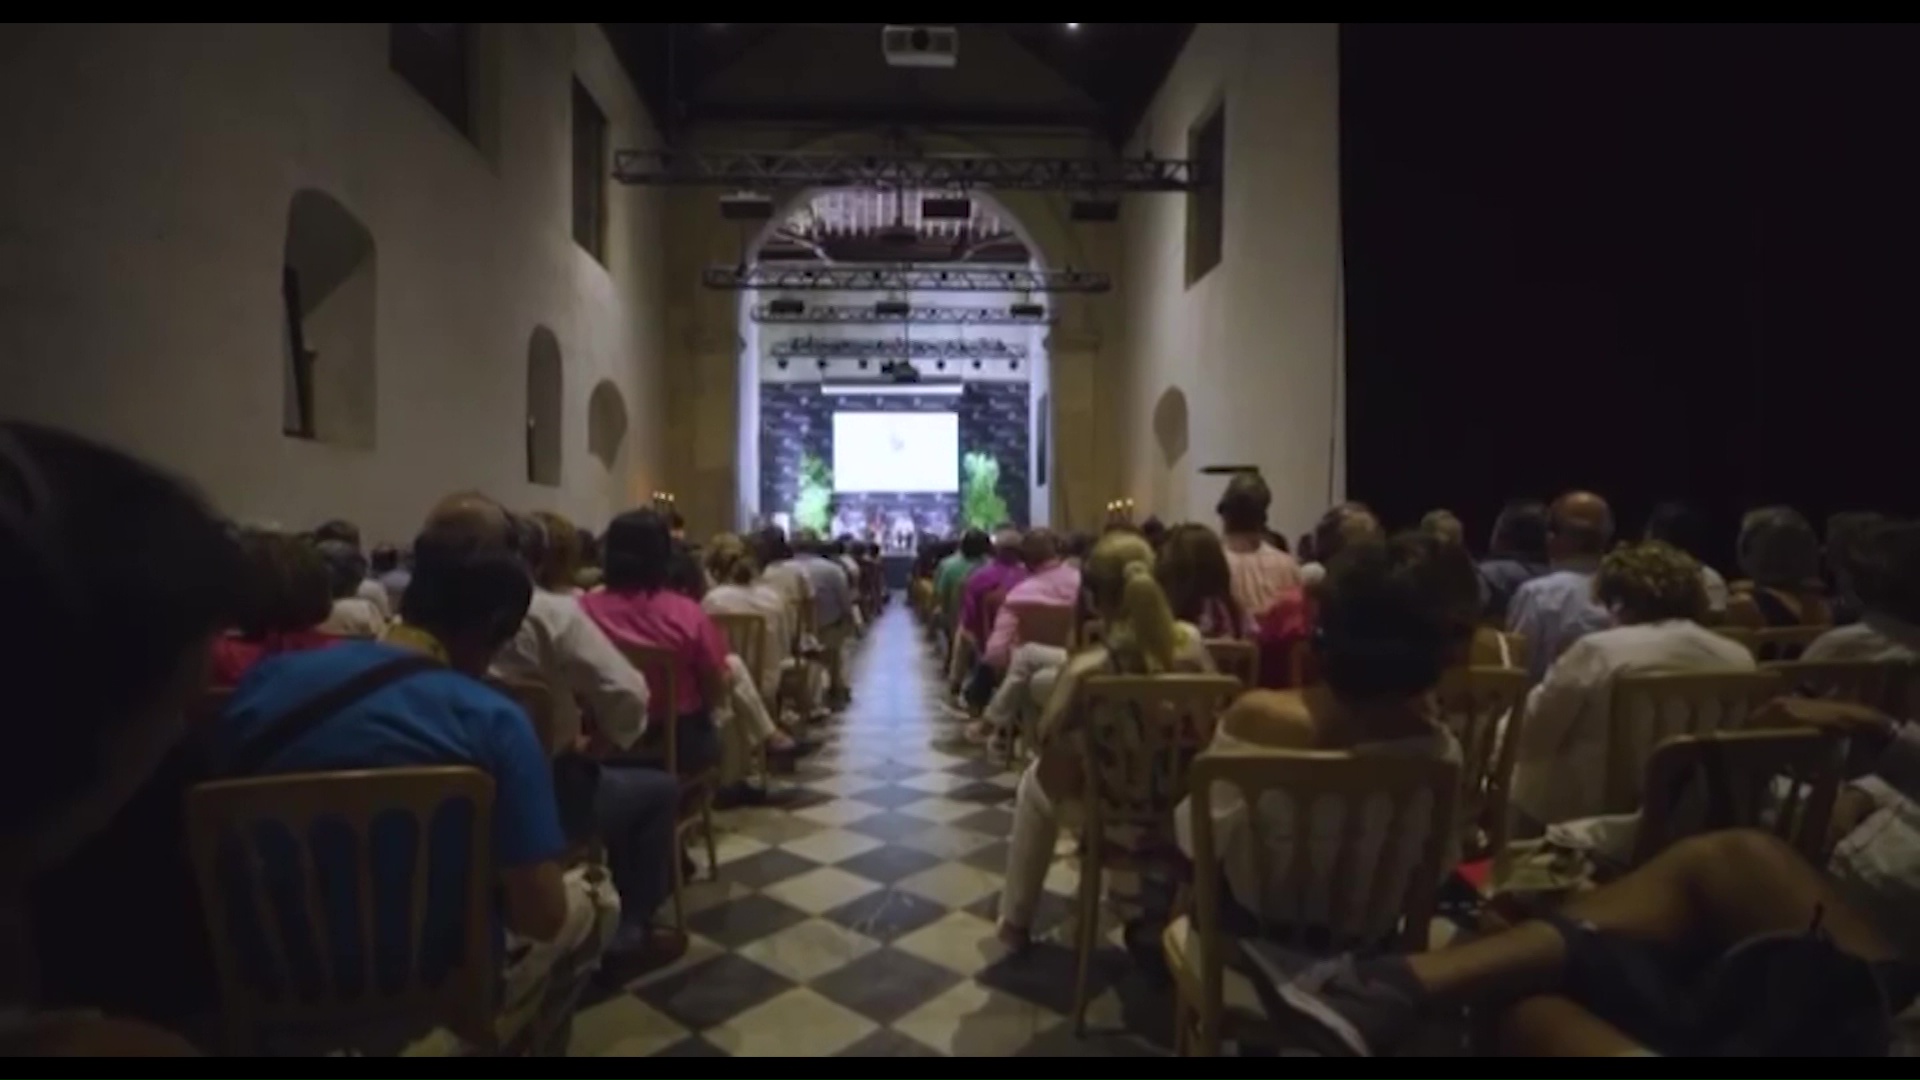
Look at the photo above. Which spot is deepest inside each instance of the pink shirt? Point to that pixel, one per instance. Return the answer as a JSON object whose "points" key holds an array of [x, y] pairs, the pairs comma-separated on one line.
{"points": [[665, 620], [1057, 585], [1260, 576]]}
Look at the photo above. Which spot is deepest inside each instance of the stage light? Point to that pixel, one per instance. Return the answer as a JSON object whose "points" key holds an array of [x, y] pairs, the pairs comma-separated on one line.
{"points": [[892, 309], [1094, 211], [946, 208], [1073, 26], [1027, 311], [786, 305]]}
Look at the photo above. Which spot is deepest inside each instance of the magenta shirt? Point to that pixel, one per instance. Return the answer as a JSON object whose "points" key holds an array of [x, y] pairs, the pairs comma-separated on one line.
{"points": [[1057, 585], [664, 620], [981, 584]]}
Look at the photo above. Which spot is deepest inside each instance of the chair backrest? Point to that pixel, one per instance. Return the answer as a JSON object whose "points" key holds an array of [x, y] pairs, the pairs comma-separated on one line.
{"points": [[1880, 684], [271, 856], [1483, 707], [536, 700], [1240, 659], [1516, 649], [746, 638], [661, 668], [1352, 845], [1045, 624], [1137, 735], [1647, 710], [1774, 642], [1727, 780]]}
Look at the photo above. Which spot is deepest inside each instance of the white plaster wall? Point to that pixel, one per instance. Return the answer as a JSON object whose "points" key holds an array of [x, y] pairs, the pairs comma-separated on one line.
{"points": [[143, 210], [1256, 344]]}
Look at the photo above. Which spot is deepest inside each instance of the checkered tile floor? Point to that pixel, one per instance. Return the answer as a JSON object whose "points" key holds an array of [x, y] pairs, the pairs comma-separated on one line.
{"points": [[855, 917]]}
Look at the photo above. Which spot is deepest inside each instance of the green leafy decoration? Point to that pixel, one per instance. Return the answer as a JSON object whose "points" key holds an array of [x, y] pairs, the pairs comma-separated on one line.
{"points": [[812, 507], [981, 506]]}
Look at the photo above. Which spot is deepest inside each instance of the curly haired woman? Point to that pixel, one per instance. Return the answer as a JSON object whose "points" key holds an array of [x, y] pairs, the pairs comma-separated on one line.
{"points": [[1655, 594]]}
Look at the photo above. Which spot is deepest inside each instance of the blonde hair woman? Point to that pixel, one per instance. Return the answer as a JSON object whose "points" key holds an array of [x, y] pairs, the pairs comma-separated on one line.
{"points": [[560, 555], [1139, 636], [735, 591]]}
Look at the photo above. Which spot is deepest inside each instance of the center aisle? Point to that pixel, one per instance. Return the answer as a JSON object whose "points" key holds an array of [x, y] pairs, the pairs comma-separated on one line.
{"points": [[855, 918]]}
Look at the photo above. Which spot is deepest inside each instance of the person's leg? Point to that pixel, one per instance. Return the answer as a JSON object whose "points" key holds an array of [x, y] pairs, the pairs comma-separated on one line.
{"points": [[1703, 894], [1029, 855], [981, 685], [751, 712], [1014, 691], [1553, 1026], [636, 807]]}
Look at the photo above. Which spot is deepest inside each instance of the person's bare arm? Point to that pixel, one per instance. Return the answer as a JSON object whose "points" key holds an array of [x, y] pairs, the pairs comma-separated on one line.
{"points": [[87, 1035], [536, 900], [1274, 719]]}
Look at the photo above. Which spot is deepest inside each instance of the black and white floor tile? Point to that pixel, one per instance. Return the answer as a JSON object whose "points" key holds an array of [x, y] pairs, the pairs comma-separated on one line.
{"points": [[855, 916]]}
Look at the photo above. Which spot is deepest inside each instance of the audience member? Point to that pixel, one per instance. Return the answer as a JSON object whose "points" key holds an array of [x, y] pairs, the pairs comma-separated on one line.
{"points": [[352, 614], [1516, 554], [1780, 555], [1196, 573], [1685, 527], [389, 566], [834, 615], [1552, 612], [1050, 582], [740, 712], [1138, 637], [953, 571], [1261, 570], [287, 593], [1654, 599], [1288, 625], [1445, 527], [1844, 531], [639, 608], [1392, 618], [561, 554], [997, 577], [67, 509], [1880, 571], [346, 532]]}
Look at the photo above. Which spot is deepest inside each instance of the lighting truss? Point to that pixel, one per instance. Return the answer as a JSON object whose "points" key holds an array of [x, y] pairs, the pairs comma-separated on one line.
{"points": [[896, 349], [745, 170], [903, 277], [863, 314]]}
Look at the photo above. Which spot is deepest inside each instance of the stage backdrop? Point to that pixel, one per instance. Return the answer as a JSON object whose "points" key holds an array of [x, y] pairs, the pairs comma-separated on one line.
{"points": [[796, 419]]}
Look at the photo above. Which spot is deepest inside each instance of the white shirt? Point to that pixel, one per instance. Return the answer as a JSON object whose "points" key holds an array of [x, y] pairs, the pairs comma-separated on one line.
{"points": [[559, 646], [1716, 587], [354, 617], [764, 600], [1875, 638], [1560, 767]]}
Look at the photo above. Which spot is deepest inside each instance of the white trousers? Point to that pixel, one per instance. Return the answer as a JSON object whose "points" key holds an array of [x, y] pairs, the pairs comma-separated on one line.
{"points": [[1036, 829], [1031, 673]]}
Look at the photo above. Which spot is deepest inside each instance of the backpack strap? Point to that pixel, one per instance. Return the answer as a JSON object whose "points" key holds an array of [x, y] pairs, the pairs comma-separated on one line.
{"points": [[254, 754]]}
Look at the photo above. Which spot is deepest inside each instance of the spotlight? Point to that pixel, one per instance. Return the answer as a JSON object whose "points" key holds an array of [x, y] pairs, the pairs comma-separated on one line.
{"points": [[976, 365], [1094, 211], [1073, 26], [785, 305], [946, 208], [783, 365], [863, 365], [892, 309], [1027, 311]]}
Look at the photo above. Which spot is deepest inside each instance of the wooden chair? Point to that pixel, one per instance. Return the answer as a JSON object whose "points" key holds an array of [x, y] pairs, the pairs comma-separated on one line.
{"points": [[694, 813], [1342, 902], [274, 896], [747, 639], [1240, 659], [536, 700], [1045, 624], [1136, 736], [1647, 710], [1516, 649], [1484, 707], [1887, 685], [1774, 643], [1726, 780]]}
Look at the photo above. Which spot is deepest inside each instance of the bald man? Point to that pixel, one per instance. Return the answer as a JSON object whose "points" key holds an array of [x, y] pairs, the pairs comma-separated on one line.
{"points": [[1554, 611]]}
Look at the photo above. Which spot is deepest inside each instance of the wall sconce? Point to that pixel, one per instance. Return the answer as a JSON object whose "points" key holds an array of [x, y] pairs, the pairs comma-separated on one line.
{"points": [[1120, 512]]}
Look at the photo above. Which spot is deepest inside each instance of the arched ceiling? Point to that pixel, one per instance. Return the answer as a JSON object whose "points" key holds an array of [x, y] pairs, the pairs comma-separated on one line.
{"points": [[1093, 77]]}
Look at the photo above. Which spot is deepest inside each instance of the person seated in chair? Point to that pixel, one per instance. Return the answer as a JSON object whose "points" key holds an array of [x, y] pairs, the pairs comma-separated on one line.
{"points": [[88, 735], [1780, 555], [640, 608], [1880, 573], [1552, 612], [417, 700], [288, 594]]}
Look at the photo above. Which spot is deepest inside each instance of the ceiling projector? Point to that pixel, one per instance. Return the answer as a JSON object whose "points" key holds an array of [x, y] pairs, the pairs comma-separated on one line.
{"points": [[920, 46]]}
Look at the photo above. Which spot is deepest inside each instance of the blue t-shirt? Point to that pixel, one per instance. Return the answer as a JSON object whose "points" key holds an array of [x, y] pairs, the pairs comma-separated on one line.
{"points": [[428, 718]]}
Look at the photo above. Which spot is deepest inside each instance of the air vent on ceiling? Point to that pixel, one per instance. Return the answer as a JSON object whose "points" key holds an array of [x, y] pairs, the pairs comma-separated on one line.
{"points": [[920, 46]]}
